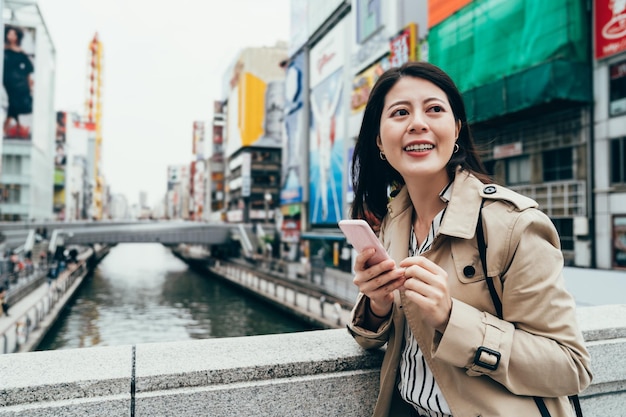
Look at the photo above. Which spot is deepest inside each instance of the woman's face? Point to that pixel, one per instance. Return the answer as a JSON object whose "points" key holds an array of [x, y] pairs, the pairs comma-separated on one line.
{"points": [[417, 129], [11, 36]]}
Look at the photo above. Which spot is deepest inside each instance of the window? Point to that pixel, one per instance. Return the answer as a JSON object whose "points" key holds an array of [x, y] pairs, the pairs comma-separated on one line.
{"points": [[617, 93], [518, 170], [618, 161], [12, 164], [565, 227], [10, 193], [558, 165]]}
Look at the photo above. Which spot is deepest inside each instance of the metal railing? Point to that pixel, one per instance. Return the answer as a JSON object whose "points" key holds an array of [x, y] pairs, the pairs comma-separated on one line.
{"points": [[18, 334]]}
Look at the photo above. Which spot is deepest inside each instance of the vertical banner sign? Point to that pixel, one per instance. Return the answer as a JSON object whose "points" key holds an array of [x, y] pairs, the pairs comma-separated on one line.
{"points": [[326, 137], [59, 157], [18, 80], [295, 129], [402, 46], [610, 27]]}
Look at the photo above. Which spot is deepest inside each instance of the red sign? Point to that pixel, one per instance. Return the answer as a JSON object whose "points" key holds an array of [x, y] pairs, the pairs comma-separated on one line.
{"points": [[402, 46], [610, 27]]}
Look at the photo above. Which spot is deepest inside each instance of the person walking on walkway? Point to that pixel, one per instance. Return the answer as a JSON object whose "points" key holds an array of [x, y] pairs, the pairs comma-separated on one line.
{"points": [[5, 306], [466, 335]]}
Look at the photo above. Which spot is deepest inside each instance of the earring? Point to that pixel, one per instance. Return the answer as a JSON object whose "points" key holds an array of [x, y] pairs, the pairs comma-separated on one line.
{"points": [[382, 155], [456, 147]]}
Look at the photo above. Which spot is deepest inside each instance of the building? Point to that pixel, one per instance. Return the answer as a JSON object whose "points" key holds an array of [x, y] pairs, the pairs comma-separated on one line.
{"points": [[609, 133], [214, 176], [337, 50], [525, 75], [254, 91], [27, 171], [545, 89]]}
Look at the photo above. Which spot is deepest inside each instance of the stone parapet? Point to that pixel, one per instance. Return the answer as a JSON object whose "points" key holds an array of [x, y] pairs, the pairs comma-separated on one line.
{"points": [[317, 373]]}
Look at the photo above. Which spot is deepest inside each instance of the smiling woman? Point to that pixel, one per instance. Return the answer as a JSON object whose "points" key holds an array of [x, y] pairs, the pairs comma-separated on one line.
{"points": [[171, 57], [418, 180]]}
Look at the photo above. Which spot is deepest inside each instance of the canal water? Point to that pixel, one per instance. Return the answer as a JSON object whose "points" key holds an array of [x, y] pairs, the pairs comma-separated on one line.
{"points": [[142, 293]]}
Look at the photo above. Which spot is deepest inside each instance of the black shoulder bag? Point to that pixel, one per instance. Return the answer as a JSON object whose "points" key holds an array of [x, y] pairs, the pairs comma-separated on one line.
{"points": [[482, 251]]}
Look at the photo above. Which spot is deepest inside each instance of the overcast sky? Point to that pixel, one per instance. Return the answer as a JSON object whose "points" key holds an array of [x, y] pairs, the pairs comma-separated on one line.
{"points": [[163, 67]]}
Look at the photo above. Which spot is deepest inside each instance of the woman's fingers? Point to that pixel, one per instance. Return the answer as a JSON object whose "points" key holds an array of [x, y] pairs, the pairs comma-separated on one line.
{"points": [[427, 286], [377, 281]]}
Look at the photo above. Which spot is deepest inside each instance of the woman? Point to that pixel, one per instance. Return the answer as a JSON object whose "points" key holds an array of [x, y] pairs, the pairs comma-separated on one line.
{"points": [[419, 182], [18, 82]]}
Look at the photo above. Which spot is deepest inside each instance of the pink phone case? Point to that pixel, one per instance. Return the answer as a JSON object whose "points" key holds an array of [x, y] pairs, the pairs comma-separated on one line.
{"points": [[361, 236]]}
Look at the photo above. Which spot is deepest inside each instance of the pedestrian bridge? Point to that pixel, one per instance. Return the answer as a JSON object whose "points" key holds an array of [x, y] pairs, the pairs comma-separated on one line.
{"points": [[22, 236]]}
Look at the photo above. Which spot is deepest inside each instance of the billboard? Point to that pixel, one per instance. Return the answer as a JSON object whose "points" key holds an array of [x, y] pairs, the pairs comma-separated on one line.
{"points": [[327, 120], [368, 18], [61, 128], [610, 27], [293, 175], [403, 46], [18, 80], [439, 10], [363, 82], [256, 100]]}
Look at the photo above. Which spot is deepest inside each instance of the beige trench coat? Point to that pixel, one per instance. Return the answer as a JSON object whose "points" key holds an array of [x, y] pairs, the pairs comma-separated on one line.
{"points": [[541, 349]]}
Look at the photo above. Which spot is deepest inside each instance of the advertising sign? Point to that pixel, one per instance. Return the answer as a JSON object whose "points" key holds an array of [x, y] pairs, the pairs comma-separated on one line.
{"points": [[327, 142], [368, 18], [363, 83], [403, 46], [439, 10], [255, 111], [610, 27], [18, 80], [59, 157], [293, 175]]}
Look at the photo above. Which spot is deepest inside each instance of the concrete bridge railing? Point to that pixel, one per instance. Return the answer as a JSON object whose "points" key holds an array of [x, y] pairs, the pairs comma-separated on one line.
{"points": [[318, 373]]}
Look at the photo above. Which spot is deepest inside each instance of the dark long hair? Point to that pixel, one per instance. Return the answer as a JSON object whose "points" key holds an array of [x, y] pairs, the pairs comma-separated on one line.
{"points": [[18, 32], [372, 176]]}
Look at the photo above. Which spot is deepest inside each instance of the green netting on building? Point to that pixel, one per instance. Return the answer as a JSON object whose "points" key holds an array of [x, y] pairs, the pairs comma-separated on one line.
{"points": [[508, 55]]}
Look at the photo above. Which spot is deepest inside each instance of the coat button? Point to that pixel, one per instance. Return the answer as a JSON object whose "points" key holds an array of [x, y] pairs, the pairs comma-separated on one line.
{"points": [[490, 189], [469, 271]]}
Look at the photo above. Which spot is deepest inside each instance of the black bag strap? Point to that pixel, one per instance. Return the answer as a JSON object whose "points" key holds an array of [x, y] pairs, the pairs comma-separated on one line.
{"points": [[482, 252]]}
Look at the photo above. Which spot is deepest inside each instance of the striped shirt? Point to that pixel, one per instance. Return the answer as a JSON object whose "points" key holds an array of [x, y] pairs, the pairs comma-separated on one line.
{"points": [[417, 384]]}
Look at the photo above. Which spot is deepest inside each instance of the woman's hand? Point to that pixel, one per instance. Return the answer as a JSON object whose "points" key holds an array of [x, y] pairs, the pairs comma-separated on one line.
{"points": [[428, 290], [378, 281]]}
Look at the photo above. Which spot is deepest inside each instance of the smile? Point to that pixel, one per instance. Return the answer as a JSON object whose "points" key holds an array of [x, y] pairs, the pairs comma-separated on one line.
{"points": [[420, 148]]}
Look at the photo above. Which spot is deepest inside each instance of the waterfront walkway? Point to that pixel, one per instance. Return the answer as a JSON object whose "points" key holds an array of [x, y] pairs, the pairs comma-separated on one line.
{"points": [[33, 313]]}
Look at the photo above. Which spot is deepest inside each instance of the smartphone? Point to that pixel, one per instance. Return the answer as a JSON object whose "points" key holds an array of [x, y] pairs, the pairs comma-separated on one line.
{"points": [[361, 236]]}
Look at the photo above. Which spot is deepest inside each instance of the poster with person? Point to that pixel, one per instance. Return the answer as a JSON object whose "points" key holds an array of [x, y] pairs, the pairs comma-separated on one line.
{"points": [[18, 79], [327, 128]]}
